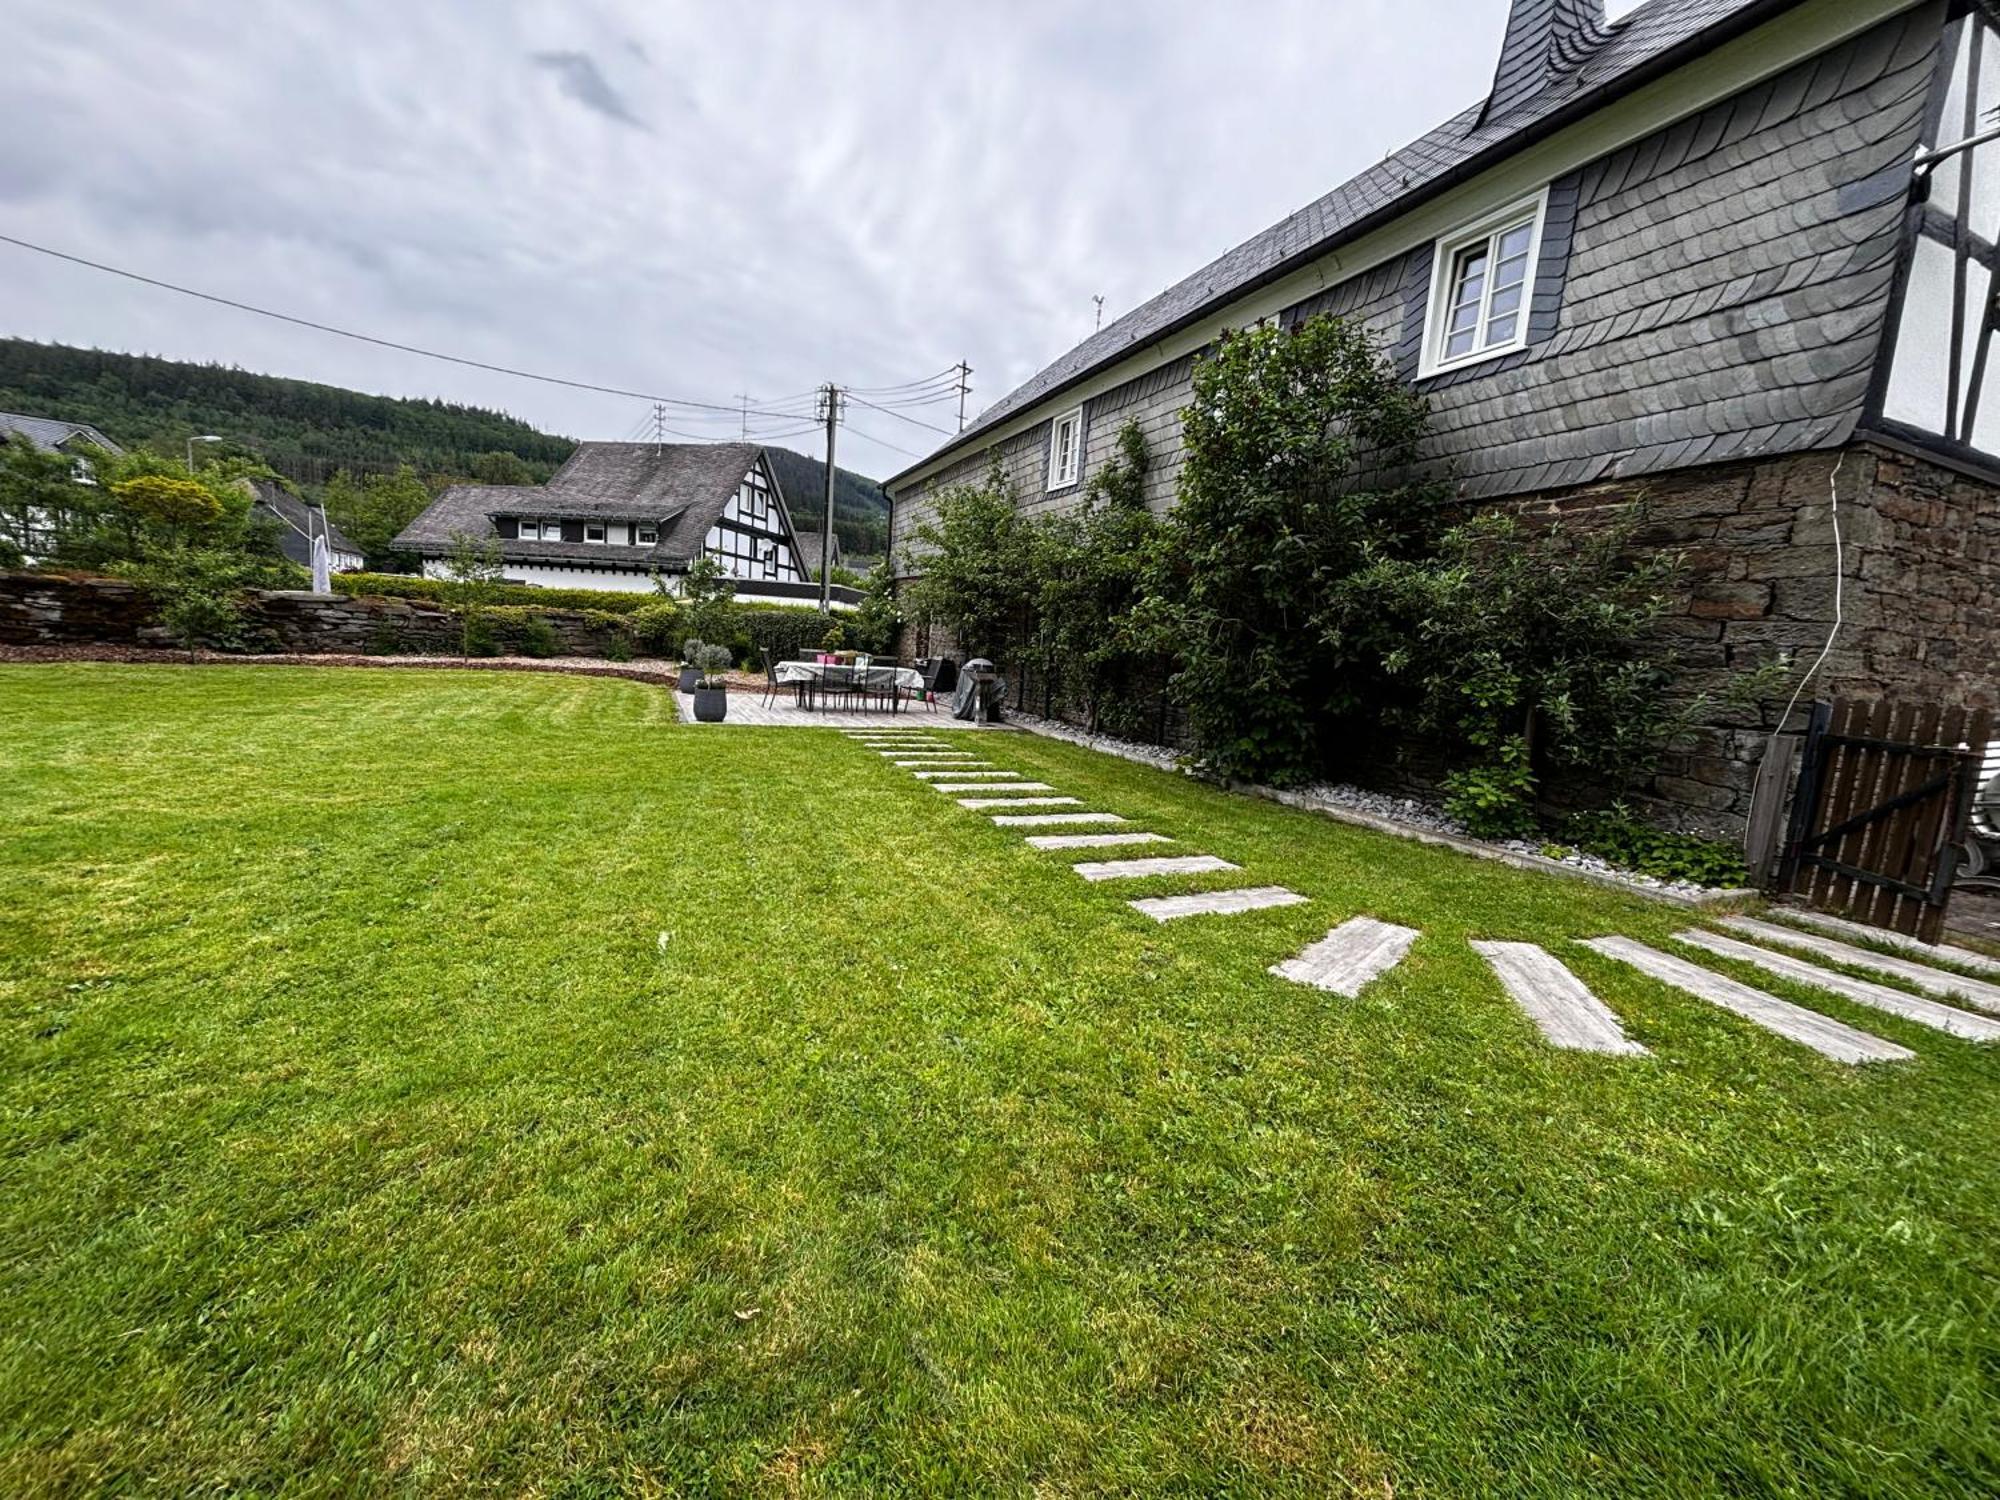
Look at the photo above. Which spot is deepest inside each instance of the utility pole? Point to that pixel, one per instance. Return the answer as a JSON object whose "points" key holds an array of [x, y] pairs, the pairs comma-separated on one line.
{"points": [[964, 390], [745, 400], [830, 409], [659, 427]]}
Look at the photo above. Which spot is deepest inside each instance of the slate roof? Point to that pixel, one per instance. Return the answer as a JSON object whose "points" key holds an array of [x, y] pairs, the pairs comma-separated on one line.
{"points": [[809, 545], [1586, 72], [301, 521], [682, 487], [49, 434]]}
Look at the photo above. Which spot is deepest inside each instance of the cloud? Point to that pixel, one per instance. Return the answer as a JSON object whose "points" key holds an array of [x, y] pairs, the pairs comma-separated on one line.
{"points": [[578, 76], [864, 193]]}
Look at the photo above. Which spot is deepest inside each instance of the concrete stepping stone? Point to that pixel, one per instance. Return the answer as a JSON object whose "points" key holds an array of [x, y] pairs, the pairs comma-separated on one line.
{"points": [[1808, 1028], [1974, 992], [921, 753], [930, 770], [1052, 820], [983, 785], [1094, 840], [980, 804], [1943, 953], [1217, 903], [1140, 869], [1355, 953], [982, 767], [1559, 1004], [1959, 1023]]}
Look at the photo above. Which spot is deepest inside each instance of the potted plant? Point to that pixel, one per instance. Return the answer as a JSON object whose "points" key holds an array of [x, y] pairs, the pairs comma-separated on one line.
{"points": [[690, 673], [711, 694]]}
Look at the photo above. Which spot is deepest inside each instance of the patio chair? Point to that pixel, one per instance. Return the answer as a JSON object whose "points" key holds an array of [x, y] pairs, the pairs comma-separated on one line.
{"points": [[770, 675]]}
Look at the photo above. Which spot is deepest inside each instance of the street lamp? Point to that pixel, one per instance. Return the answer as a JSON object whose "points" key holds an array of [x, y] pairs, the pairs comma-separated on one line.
{"points": [[207, 437]]}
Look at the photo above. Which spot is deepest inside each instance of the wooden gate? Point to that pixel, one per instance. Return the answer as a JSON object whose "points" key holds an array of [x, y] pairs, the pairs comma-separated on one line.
{"points": [[1882, 809]]}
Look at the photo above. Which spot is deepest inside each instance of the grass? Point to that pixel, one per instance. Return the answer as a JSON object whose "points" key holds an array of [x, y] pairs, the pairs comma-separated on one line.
{"points": [[442, 1083]]}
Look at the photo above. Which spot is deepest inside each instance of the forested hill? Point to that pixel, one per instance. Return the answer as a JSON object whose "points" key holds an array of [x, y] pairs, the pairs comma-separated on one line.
{"points": [[309, 432], [304, 431], [860, 508]]}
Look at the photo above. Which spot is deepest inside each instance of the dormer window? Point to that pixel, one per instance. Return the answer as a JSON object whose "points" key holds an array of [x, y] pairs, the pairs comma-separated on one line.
{"points": [[647, 536], [1481, 287], [593, 531]]}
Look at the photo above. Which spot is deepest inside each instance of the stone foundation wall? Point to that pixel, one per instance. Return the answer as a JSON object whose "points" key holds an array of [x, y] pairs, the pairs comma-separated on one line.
{"points": [[45, 609]]}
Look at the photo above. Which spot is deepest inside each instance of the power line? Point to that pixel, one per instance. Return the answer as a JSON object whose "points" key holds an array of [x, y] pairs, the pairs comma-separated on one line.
{"points": [[890, 390], [363, 338], [892, 447], [905, 417]]}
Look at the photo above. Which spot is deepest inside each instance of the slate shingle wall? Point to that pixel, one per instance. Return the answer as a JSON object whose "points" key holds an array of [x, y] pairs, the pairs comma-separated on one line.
{"points": [[1716, 291]]}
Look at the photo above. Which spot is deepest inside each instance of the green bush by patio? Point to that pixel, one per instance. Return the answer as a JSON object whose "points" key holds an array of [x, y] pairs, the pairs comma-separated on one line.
{"points": [[476, 1082]]}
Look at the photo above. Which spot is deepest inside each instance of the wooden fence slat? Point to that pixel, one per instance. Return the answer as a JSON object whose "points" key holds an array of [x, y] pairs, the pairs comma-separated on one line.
{"points": [[1890, 853]]}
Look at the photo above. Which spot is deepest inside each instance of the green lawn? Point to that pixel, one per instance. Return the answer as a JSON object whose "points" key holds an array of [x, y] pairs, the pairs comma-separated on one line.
{"points": [[438, 1083]]}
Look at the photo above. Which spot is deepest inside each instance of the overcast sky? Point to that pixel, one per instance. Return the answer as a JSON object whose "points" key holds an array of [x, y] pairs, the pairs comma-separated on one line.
{"points": [[692, 199]]}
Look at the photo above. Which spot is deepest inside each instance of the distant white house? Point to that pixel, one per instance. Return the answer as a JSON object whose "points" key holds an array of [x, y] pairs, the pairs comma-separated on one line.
{"points": [[617, 515], [50, 435]]}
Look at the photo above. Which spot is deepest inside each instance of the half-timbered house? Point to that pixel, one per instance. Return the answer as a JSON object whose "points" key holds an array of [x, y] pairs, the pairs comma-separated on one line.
{"points": [[618, 515]]}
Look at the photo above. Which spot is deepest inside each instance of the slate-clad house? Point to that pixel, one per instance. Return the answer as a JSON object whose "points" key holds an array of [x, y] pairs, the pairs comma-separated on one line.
{"points": [[617, 514], [1700, 254]]}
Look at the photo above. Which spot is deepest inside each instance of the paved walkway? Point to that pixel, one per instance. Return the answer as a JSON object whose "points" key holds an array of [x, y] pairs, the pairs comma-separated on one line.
{"points": [[783, 712], [1363, 949]]}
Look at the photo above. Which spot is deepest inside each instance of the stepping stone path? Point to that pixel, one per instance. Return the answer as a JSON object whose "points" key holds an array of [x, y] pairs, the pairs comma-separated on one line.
{"points": [[991, 786], [1795, 1023], [1094, 840], [1861, 991], [981, 767], [1349, 957], [1931, 981], [1556, 1000], [979, 804], [1139, 869], [1053, 820], [1943, 953], [943, 765], [1217, 903]]}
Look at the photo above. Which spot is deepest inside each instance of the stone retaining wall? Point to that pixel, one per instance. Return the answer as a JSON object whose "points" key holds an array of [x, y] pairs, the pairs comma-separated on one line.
{"points": [[49, 609]]}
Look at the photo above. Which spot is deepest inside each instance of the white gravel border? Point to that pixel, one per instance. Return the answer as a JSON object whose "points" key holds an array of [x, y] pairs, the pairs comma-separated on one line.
{"points": [[1401, 817]]}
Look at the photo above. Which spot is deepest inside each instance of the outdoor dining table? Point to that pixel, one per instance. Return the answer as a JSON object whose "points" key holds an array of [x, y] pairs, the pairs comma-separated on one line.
{"points": [[812, 680]]}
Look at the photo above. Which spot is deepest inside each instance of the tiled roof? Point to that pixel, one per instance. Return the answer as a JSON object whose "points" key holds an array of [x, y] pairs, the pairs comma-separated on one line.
{"points": [[49, 434], [1585, 78], [683, 487]]}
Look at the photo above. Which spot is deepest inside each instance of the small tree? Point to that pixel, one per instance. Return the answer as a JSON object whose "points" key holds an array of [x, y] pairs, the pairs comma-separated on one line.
{"points": [[975, 566], [708, 601], [40, 499], [878, 618], [472, 580], [195, 591], [1280, 499], [374, 510]]}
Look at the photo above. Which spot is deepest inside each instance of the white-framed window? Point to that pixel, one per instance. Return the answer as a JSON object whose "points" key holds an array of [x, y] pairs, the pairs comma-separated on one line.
{"points": [[648, 536], [1481, 287], [593, 531], [531, 531], [1066, 450]]}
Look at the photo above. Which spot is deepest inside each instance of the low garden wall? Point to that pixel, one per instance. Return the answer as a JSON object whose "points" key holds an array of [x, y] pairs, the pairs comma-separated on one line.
{"points": [[54, 609]]}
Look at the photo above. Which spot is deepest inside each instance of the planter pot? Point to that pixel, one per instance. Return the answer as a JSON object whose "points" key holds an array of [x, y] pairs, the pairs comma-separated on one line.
{"points": [[710, 704], [690, 678]]}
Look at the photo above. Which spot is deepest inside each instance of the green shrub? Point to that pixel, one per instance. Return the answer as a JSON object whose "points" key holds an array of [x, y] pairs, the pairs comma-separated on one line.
{"points": [[619, 648], [437, 591], [1615, 834], [655, 626], [539, 639], [1495, 799], [479, 637]]}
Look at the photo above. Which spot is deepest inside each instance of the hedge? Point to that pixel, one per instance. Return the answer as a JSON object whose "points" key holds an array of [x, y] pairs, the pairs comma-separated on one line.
{"points": [[437, 591]]}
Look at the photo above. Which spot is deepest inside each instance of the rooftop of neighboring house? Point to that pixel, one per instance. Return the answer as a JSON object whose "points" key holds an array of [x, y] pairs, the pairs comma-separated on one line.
{"points": [[680, 487], [300, 522], [1560, 60], [51, 434]]}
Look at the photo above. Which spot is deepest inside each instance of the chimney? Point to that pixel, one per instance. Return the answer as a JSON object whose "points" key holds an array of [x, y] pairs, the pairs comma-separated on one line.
{"points": [[1545, 40]]}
